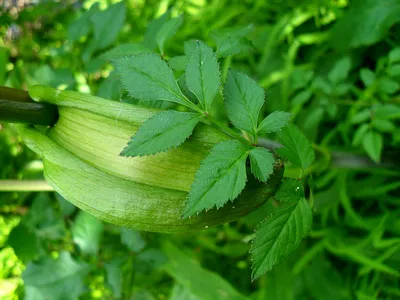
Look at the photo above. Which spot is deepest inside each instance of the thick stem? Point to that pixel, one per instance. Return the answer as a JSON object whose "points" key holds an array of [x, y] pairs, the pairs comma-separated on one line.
{"points": [[17, 107]]}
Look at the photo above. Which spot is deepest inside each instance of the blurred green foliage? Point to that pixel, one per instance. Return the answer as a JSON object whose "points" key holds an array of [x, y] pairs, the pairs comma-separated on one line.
{"points": [[334, 64]]}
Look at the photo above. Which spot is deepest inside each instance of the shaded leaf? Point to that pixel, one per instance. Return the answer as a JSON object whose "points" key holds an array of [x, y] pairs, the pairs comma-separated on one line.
{"points": [[234, 45], [290, 190], [123, 50], [204, 284], [168, 30], [62, 278], [132, 239], [115, 275], [365, 22], [340, 70], [373, 143], [87, 232], [161, 132]]}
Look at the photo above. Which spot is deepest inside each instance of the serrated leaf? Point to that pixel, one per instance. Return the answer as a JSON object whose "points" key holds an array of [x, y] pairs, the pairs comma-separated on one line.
{"points": [[234, 45], [161, 132], [373, 143], [87, 232], [220, 178], [262, 163], [279, 235], [62, 278], [290, 190], [168, 30], [274, 122], [202, 74], [243, 101], [297, 149], [147, 77]]}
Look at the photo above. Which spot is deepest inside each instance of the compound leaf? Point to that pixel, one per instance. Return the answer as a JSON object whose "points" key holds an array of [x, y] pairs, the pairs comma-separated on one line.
{"points": [[220, 178], [274, 122], [161, 132], [147, 77], [279, 235], [202, 74], [243, 101], [297, 149], [262, 163]]}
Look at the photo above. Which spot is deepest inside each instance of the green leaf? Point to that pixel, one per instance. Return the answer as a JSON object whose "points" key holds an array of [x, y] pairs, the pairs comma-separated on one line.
{"points": [[219, 35], [367, 76], [279, 235], [115, 275], [62, 278], [262, 163], [274, 122], [388, 85], [202, 74], [394, 70], [220, 178], [123, 50], [146, 76], [161, 132], [359, 134], [167, 31], [153, 28], [297, 149], [290, 190], [234, 45], [107, 24], [25, 242], [394, 55], [243, 101], [87, 232], [365, 23], [132, 239], [204, 284], [340, 70], [373, 143]]}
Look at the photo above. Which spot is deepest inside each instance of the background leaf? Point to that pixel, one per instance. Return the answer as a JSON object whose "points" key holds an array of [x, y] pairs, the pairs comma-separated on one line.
{"points": [[366, 22], [372, 143], [220, 178], [168, 30], [87, 232], [279, 235], [66, 275], [132, 239], [202, 74], [161, 132]]}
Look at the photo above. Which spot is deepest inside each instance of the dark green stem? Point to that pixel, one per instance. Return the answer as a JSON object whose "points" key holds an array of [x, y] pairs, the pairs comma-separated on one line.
{"points": [[17, 107]]}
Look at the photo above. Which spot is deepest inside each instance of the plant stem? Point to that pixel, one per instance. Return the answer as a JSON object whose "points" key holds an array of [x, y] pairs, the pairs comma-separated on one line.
{"points": [[17, 107], [228, 131], [24, 186]]}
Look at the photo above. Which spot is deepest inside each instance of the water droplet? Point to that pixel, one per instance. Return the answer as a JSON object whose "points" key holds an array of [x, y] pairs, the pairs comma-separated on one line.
{"points": [[201, 63], [206, 227], [297, 189], [233, 207]]}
